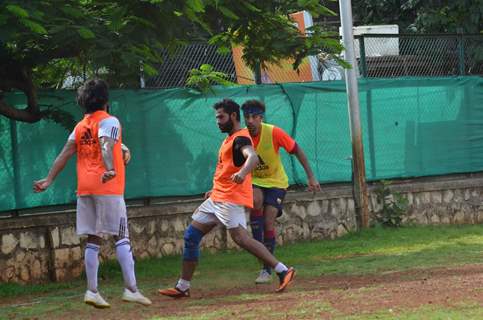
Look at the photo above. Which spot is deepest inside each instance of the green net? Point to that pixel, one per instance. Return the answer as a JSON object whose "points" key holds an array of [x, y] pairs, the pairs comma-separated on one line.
{"points": [[411, 127]]}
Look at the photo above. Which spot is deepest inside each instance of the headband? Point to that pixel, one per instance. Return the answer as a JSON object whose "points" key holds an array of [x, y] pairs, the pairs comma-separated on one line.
{"points": [[253, 110]]}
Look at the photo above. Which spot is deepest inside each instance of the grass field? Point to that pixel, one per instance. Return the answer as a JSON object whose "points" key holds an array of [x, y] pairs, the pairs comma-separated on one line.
{"points": [[407, 273]]}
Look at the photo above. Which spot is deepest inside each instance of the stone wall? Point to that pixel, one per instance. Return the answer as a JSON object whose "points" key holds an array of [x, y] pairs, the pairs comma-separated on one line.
{"points": [[45, 247]]}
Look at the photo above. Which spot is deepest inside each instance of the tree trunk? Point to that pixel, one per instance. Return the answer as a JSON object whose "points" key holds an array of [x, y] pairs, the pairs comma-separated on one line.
{"points": [[32, 112]]}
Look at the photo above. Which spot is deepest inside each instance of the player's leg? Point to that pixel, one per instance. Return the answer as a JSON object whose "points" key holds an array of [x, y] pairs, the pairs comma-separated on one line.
{"points": [[234, 219], [257, 222], [269, 235], [126, 261], [203, 222], [86, 220], [241, 237], [91, 260], [256, 215], [191, 253], [272, 203], [265, 275], [112, 210]]}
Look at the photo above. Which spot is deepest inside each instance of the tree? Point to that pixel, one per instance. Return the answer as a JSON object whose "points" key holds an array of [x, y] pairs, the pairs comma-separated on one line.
{"points": [[268, 35], [42, 37], [457, 16], [44, 41], [423, 16], [370, 12]]}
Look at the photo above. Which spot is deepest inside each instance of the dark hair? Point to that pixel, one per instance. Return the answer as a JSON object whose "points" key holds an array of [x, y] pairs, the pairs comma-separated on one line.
{"points": [[93, 95], [251, 104], [229, 106]]}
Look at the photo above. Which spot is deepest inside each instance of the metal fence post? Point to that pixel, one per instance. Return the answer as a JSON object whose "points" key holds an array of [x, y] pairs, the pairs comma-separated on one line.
{"points": [[362, 53], [142, 80], [15, 163], [461, 54], [359, 186], [370, 130]]}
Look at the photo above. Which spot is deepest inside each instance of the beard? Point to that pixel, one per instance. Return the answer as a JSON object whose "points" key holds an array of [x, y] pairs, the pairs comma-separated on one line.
{"points": [[252, 130], [227, 127]]}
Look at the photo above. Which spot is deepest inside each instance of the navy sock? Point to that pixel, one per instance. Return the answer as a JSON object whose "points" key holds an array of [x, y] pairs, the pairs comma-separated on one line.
{"points": [[256, 223], [269, 242]]}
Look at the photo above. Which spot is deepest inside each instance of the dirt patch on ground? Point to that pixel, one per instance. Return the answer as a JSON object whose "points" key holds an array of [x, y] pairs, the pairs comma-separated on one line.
{"points": [[309, 298]]}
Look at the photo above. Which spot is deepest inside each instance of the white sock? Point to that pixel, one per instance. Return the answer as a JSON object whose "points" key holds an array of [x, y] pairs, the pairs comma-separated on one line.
{"points": [[125, 259], [91, 261], [280, 267], [183, 285]]}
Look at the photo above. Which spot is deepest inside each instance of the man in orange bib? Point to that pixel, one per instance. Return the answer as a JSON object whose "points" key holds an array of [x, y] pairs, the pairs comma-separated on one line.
{"points": [[269, 178], [226, 203], [100, 188]]}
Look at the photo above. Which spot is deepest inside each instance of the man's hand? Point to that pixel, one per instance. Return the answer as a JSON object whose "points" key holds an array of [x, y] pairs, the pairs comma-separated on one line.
{"points": [[313, 185], [238, 177], [126, 154], [67, 152], [41, 185], [108, 175], [208, 194]]}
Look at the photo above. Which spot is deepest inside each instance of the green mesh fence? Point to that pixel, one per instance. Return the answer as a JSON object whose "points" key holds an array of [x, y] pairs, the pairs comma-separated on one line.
{"points": [[411, 127]]}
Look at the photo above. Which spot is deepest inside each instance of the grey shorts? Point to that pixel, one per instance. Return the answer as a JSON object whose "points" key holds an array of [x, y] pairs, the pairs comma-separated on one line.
{"points": [[229, 214], [101, 215]]}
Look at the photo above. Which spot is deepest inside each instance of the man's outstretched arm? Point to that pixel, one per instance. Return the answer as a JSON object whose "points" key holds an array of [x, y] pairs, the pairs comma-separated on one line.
{"points": [[67, 152], [313, 184]]}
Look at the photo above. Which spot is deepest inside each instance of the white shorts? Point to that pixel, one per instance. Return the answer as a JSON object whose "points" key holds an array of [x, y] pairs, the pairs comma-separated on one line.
{"points": [[99, 215], [229, 214]]}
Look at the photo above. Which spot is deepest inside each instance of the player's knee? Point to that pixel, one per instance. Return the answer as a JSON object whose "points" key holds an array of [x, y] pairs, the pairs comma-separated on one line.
{"points": [[258, 203], [118, 238], [257, 199], [192, 239], [94, 239]]}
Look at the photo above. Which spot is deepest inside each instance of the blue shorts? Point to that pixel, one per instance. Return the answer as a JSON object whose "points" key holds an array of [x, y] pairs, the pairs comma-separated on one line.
{"points": [[273, 197]]}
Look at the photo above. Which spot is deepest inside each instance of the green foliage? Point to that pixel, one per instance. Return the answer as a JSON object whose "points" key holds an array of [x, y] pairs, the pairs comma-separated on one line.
{"points": [[450, 17], [62, 117], [109, 37], [59, 43], [423, 16], [112, 37], [203, 78], [86, 33], [269, 35], [394, 206], [18, 11]]}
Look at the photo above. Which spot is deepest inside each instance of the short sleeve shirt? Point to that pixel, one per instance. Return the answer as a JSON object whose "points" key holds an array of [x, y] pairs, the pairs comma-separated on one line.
{"points": [[109, 127], [280, 139]]}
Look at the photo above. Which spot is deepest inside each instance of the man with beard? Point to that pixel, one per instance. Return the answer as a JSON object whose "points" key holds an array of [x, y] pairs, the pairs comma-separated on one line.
{"points": [[269, 178], [226, 203]]}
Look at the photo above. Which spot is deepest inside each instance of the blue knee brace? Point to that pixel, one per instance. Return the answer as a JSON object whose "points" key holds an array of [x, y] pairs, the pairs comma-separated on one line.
{"points": [[192, 239]]}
